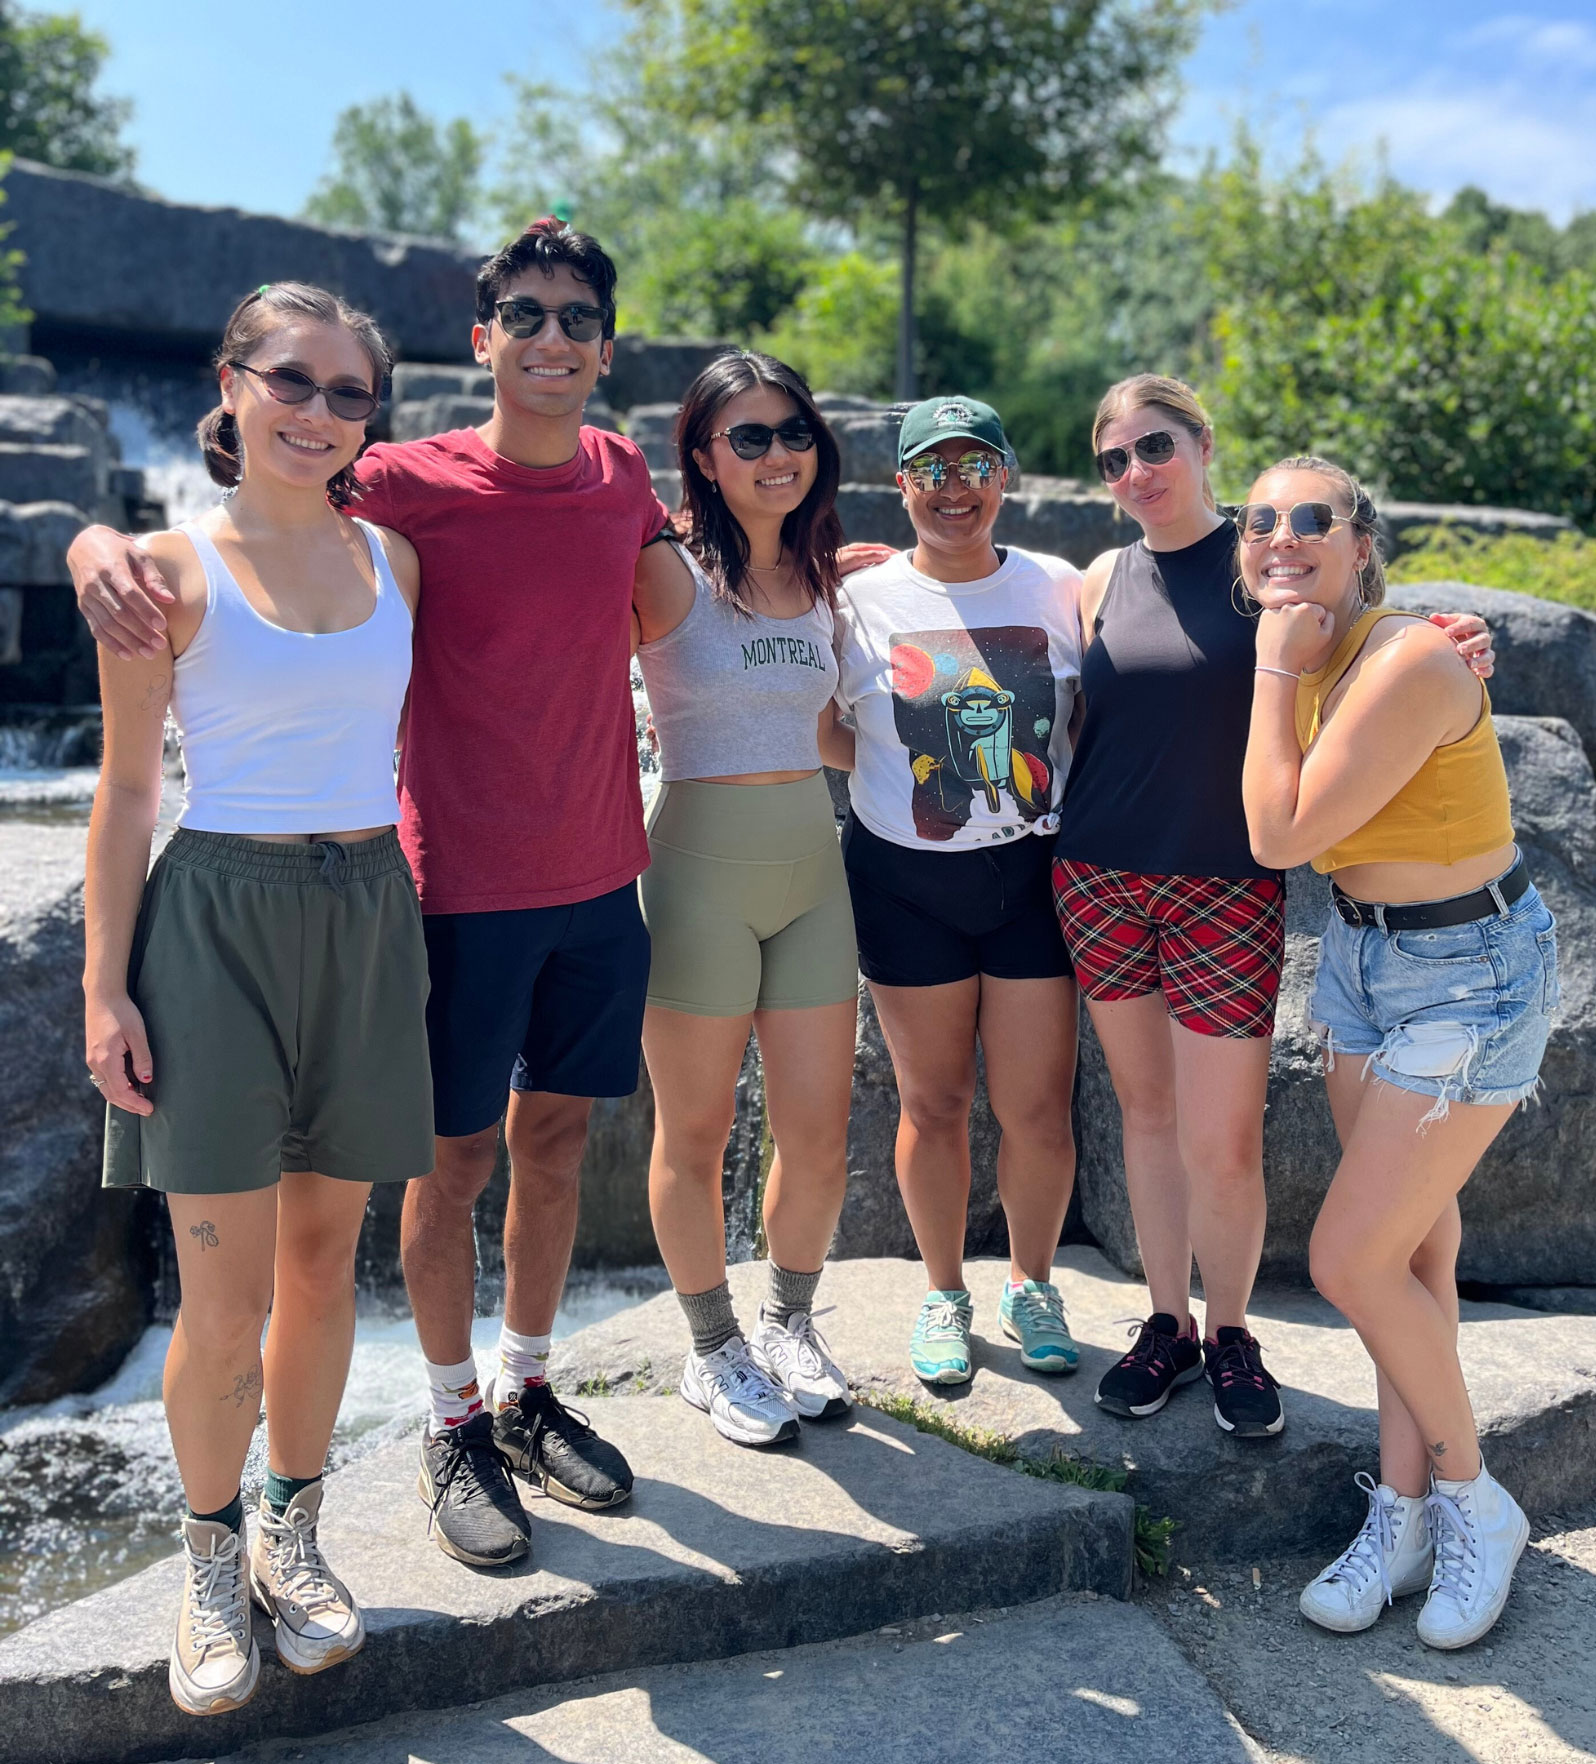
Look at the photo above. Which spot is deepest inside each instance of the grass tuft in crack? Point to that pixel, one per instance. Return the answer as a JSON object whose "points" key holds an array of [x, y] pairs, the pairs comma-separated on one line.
{"points": [[1153, 1537]]}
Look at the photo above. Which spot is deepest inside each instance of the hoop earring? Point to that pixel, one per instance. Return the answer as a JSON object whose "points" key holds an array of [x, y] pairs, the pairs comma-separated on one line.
{"points": [[1246, 606]]}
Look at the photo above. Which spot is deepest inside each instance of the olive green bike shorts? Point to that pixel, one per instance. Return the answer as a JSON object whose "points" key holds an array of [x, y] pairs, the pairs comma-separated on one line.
{"points": [[746, 899], [284, 990]]}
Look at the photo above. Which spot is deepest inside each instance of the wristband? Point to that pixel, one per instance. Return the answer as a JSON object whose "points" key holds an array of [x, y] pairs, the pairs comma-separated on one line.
{"points": [[1284, 673]]}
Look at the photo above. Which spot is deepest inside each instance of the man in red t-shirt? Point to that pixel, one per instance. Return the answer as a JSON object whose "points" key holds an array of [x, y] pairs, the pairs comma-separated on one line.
{"points": [[521, 816]]}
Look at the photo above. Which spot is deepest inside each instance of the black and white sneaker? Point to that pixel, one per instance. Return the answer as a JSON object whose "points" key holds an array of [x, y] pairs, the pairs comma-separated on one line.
{"points": [[1164, 1356], [477, 1516], [1246, 1397], [556, 1449]]}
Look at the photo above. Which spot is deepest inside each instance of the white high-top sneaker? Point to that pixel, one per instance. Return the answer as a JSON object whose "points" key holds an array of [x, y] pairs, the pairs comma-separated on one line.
{"points": [[1480, 1532], [796, 1357], [1389, 1558], [316, 1619], [215, 1664], [739, 1396]]}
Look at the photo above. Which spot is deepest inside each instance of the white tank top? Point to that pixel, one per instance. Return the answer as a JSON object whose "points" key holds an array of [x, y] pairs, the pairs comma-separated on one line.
{"points": [[289, 731]]}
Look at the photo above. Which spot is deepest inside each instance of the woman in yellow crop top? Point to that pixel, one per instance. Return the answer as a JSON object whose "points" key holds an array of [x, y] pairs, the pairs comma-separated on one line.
{"points": [[1372, 755]]}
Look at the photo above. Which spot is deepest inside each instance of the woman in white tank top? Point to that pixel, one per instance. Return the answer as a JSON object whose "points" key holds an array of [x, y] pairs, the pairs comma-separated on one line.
{"points": [[255, 1007]]}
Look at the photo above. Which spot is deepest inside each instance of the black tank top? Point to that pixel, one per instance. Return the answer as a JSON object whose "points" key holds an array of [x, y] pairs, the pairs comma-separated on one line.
{"points": [[1155, 784]]}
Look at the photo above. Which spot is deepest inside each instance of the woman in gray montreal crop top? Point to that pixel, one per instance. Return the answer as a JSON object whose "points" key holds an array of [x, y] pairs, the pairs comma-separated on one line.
{"points": [[745, 896]]}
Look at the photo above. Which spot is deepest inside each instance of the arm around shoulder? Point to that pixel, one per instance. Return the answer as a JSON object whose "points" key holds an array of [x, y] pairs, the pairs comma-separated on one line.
{"points": [[662, 591], [404, 563]]}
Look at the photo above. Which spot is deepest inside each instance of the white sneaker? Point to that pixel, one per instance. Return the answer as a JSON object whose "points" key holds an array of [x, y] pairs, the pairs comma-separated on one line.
{"points": [[1389, 1558], [737, 1395], [1480, 1532], [215, 1664], [316, 1619], [795, 1356]]}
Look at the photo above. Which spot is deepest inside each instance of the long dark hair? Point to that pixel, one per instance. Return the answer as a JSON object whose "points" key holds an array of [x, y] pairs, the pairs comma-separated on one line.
{"points": [[254, 319], [811, 534]]}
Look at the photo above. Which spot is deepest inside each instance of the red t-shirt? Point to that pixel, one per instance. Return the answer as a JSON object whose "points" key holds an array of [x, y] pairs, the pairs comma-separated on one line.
{"points": [[518, 778]]}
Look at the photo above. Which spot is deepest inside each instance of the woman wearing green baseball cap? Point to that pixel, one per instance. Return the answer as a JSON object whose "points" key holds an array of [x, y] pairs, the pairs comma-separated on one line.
{"points": [[959, 663]]}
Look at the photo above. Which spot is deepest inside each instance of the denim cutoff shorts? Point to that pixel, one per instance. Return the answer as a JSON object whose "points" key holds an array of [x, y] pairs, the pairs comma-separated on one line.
{"points": [[1459, 1013]]}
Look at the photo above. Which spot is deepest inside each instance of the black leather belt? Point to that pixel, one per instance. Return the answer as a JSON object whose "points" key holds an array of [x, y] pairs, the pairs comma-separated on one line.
{"points": [[1484, 903]]}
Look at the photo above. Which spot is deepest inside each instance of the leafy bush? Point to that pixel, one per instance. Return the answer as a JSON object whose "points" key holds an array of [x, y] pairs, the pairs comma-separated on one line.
{"points": [[1563, 568]]}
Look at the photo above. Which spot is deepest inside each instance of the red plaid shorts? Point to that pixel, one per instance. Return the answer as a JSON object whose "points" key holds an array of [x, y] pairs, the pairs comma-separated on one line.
{"points": [[1214, 944]]}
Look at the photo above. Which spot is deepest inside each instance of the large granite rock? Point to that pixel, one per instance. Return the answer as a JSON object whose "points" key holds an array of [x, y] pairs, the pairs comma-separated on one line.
{"points": [[1399, 519], [1527, 1213], [442, 411], [1545, 652], [653, 428], [33, 541], [179, 269], [76, 1266], [656, 370]]}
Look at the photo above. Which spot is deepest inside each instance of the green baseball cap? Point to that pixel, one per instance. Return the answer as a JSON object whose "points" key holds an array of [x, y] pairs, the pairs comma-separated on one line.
{"points": [[937, 419]]}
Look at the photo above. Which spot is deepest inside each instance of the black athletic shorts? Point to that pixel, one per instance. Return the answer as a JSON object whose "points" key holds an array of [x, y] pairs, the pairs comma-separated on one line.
{"points": [[542, 998], [927, 918]]}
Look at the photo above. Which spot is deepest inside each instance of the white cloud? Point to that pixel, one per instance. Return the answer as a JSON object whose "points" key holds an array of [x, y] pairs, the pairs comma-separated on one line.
{"points": [[1558, 43]]}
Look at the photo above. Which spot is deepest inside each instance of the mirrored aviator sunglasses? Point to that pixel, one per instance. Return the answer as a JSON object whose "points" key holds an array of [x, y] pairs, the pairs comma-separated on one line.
{"points": [[1155, 449], [522, 317], [1258, 522], [752, 440], [930, 471]]}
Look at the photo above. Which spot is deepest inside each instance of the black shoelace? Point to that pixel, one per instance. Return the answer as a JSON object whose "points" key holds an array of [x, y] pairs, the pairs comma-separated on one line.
{"points": [[545, 1413], [1241, 1362], [1152, 1349], [482, 1456]]}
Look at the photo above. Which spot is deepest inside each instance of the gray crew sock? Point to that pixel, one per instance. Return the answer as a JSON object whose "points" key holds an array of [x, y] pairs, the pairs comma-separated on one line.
{"points": [[789, 1294], [710, 1317]]}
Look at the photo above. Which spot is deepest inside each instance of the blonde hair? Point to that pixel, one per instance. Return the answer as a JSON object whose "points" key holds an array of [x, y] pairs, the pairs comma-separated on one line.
{"points": [[1162, 392], [1362, 515]]}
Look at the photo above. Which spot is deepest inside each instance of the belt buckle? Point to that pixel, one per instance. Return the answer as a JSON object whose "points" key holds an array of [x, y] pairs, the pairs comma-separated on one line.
{"points": [[1346, 908]]}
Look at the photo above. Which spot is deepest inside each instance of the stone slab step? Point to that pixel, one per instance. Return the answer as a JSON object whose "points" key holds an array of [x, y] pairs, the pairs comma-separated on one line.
{"points": [[722, 1551], [1533, 1378], [1065, 1680]]}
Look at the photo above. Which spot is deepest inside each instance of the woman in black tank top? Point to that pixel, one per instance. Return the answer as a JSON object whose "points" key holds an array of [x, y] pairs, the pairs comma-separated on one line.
{"points": [[1177, 933]]}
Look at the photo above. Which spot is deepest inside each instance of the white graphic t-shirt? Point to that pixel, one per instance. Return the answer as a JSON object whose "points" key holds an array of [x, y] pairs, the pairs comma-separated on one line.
{"points": [[961, 693]]}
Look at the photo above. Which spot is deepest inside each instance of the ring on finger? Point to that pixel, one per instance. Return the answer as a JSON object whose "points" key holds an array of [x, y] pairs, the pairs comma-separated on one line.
{"points": [[97, 1081]]}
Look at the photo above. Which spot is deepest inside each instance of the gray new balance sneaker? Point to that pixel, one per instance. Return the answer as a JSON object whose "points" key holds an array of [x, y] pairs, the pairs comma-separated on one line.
{"points": [[477, 1516], [215, 1664]]}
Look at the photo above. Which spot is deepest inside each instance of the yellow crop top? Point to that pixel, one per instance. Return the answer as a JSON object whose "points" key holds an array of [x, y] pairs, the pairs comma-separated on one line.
{"points": [[1454, 807]]}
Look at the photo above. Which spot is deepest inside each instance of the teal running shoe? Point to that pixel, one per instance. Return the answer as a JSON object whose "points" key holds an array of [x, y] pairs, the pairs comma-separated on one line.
{"points": [[940, 1350], [1034, 1317]]}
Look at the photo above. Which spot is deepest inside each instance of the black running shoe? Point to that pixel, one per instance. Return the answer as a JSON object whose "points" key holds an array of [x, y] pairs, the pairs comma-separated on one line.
{"points": [[477, 1516], [1245, 1399], [556, 1449], [1163, 1357]]}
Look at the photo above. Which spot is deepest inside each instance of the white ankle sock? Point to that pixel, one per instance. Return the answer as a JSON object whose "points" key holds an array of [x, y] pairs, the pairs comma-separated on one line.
{"points": [[453, 1393], [523, 1360]]}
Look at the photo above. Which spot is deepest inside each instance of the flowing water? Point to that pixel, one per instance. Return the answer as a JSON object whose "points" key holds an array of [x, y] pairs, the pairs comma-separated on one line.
{"points": [[88, 1489]]}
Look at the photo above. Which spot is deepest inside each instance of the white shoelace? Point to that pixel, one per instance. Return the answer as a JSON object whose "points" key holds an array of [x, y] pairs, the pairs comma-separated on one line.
{"points": [[1049, 1302], [299, 1570], [1367, 1554], [941, 1321], [217, 1605], [800, 1340], [730, 1371], [1456, 1553]]}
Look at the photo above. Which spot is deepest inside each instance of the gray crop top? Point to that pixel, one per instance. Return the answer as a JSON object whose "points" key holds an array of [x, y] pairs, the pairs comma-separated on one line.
{"points": [[732, 693]]}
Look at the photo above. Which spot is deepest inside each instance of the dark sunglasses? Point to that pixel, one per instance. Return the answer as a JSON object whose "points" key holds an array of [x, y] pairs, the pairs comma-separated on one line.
{"points": [[524, 317], [1155, 449], [353, 404], [1260, 521], [929, 471], [752, 440]]}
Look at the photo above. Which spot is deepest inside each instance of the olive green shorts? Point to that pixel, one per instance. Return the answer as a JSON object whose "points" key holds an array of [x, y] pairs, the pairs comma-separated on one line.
{"points": [[284, 991], [746, 899]]}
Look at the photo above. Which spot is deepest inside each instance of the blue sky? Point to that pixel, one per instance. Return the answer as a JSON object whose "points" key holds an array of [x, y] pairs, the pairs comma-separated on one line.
{"points": [[237, 105]]}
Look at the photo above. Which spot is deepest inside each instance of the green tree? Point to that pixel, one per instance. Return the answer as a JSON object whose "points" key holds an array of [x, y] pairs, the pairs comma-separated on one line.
{"points": [[945, 111], [396, 170], [49, 110], [692, 214]]}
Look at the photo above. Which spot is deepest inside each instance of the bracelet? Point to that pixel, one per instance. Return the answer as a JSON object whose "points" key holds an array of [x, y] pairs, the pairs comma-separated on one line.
{"points": [[1284, 673]]}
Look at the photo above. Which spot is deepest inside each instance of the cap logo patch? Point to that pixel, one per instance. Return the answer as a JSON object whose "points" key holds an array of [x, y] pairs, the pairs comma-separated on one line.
{"points": [[952, 413]]}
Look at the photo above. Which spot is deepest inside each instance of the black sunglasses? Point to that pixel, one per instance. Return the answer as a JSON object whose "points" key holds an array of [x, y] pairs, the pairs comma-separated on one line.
{"points": [[353, 404], [524, 317], [1260, 521], [752, 440], [1155, 449]]}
